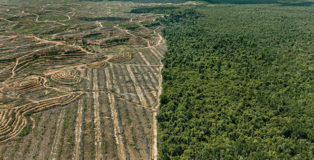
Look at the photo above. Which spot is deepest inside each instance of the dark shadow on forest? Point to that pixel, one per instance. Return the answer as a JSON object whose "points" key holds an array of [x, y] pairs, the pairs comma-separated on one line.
{"points": [[104, 19], [144, 1], [280, 2], [242, 1], [154, 9], [298, 4]]}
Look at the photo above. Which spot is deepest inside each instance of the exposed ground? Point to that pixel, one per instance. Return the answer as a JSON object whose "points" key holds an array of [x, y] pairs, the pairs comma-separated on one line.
{"points": [[78, 81]]}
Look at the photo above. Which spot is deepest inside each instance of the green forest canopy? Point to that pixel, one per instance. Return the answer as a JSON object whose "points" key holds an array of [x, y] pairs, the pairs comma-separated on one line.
{"points": [[238, 83]]}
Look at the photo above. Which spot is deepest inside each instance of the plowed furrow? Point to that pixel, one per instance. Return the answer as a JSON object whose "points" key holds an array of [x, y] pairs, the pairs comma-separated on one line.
{"points": [[144, 59], [98, 135], [78, 131], [137, 88], [56, 141], [117, 129]]}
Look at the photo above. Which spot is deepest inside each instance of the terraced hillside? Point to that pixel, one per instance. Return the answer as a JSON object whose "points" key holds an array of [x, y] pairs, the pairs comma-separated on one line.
{"points": [[78, 80]]}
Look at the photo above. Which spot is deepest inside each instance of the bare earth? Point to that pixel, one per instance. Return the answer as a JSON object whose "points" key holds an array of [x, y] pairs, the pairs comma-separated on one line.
{"points": [[78, 81]]}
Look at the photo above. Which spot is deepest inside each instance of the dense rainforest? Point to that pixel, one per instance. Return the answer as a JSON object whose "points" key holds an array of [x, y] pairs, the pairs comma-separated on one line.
{"points": [[238, 83]]}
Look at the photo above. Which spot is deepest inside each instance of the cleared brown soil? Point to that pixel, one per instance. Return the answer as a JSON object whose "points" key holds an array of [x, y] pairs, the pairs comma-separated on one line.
{"points": [[77, 84]]}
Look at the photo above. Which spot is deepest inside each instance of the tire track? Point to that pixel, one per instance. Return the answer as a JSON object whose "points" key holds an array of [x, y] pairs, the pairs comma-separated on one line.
{"points": [[131, 89], [88, 150], [56, 141], [44, 139], [34, 147], [154, 147], [154, 48], [150, 72], [142, 131], [156, 108], [137, 88], [114, 116], [109, 145], [144, 59], [145, 85], [155, 54], [124, 91], [108, 84], [78, 131], [98, 135], [114, 79], [117, 130]]}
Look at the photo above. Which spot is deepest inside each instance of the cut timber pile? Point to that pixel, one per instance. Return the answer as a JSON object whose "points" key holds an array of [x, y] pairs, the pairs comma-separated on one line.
{"points": [[120, 58], [13, 121], [47, 54], [31, 85], [66, 77], [96, 65]]}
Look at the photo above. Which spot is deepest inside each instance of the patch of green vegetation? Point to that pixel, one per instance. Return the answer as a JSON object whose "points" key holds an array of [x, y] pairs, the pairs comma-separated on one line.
{"points": [[70, 140], [60, 149], [66, 122], [154, 9], [117, 41], [99, 35], [237, 83], [151, 24], [104, 19], [52, 17], [297, 3], [26, 130], [130, 26]]}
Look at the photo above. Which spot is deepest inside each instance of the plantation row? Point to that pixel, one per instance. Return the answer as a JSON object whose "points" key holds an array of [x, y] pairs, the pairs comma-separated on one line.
{"points": [[13, 121], [112, 73], [29, 86], [66, 77], [113, 119], [121, 112]]}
